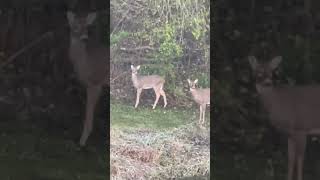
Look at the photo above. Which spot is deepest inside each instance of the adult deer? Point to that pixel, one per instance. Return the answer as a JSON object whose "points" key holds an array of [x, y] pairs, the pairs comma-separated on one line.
{"points": [[201, 97], [89, 59], [154, 82], [294, 111]]}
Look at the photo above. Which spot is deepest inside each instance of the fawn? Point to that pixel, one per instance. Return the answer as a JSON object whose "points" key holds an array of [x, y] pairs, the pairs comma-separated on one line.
{"points": [[89, 60], [293, 110], [201, 97], [147, 82]]}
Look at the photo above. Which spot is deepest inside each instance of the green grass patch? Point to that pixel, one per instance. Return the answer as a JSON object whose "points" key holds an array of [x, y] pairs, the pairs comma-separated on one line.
{"points": [[124, 116], [254, 165], [29, 152]]}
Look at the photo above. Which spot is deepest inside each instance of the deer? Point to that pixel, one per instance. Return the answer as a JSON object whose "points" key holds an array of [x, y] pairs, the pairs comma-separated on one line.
{"points": [[89, 60], [201, 97], [293, 110], [154, 82]]}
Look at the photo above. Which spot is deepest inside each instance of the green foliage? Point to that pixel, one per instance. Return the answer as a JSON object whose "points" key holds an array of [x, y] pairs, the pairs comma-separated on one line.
{"points": [[203, 79], [169, 48], [118, 37], [197, 25]]}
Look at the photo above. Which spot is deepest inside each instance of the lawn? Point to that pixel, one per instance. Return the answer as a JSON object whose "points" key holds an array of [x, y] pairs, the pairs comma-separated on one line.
{"points": [[163, 143], [126, 116], [28, 151], [263, 163]]}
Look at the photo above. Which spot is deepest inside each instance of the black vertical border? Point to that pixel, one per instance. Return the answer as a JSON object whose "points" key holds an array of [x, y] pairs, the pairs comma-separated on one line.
{"points": [[212, 85], [108, 95]]}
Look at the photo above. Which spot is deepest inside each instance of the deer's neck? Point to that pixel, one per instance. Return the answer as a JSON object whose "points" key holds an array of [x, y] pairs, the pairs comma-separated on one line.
{"points": [[264, 89], [267, 95], [77, 49], [194, 93], [135, 80], [78, 56]]}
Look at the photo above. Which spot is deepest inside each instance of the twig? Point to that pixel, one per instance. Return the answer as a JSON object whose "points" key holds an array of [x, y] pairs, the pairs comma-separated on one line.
{"points": [[30, 45], [137, 48], [123, 17], [118, 76]]}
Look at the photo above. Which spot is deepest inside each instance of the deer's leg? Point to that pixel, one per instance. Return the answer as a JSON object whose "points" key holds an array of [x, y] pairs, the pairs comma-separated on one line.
{"points": [[300, 148], [93, 94], [204, 113], [163, 94], [200, 114], [157, 91], [138, 97], [291, 157]]}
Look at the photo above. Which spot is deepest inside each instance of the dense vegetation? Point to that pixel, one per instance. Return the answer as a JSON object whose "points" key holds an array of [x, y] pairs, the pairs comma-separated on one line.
{"points": [[169, 38]]}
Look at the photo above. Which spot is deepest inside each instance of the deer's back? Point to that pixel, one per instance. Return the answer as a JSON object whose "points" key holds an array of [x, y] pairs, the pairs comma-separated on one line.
{"points": [[98, 57], [90, 62], [293, 108], [201, 96], [149, 81]]}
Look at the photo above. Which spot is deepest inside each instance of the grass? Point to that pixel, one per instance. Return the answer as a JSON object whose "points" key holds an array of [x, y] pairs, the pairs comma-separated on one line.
{"points": [[246, 167], [29, 152], [264, 166], [158, 144], [124, 116]]}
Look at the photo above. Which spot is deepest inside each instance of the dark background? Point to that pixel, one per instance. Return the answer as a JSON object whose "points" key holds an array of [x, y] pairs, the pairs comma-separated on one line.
{"points": [[246, 146], [41, 100], [44, 68]]}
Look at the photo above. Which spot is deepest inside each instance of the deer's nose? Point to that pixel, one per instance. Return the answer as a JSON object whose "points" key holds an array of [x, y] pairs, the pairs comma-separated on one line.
{"points": [[267, 82], [84, 37]]}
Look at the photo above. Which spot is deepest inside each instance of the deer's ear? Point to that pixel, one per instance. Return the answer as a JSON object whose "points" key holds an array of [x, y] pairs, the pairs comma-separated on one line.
{"points": [[132, 67], [70, 16], [138, 67], [196, 81], [253, 62], [275, 62], [189, 81], [91, 17]]}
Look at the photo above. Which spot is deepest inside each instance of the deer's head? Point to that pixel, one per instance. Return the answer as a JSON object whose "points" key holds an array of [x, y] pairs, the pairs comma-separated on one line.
{"points": [[135, 69], [263, 72], [192, 84], [79, 25]]}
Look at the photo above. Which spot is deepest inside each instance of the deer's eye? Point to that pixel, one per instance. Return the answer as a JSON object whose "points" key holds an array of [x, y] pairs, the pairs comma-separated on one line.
{"points": [[260, 75]]}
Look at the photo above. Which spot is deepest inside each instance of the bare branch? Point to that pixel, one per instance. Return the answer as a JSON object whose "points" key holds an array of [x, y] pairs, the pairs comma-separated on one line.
{"points": [[25, 48], [137, 48]]}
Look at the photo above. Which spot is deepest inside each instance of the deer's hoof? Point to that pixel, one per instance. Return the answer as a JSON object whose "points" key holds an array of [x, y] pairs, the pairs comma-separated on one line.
{"points": [[82, 144], [82, 148]]}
